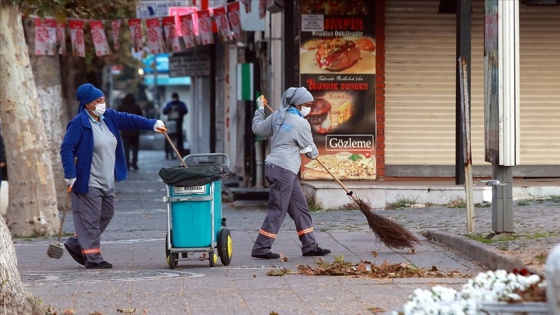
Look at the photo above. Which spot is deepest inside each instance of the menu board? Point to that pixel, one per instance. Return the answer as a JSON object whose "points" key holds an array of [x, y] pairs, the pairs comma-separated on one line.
{"points": [[337, 65]]}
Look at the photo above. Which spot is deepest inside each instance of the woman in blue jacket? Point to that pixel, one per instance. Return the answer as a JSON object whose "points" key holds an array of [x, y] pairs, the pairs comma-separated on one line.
{"points": [[93, 160]]}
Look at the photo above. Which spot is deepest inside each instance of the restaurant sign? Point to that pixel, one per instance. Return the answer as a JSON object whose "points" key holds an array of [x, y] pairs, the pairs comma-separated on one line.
{"points": [[337, 65]]}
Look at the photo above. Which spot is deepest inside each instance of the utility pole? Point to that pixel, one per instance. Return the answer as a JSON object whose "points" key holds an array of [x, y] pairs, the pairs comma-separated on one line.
{"points": [[501, 105], [463, 51]]}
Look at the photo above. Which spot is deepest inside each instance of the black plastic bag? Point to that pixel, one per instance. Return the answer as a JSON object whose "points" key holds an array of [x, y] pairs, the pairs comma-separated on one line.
{"points": [[194, 175]]}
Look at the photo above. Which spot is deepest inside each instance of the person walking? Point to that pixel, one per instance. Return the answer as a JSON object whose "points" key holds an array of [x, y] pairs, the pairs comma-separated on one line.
{"points": [[175, 110], [291, 136], [93, 161], [131, 138]]}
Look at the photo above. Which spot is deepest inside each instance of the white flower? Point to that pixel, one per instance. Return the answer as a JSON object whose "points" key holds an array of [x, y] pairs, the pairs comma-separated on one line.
{"points": [[491, 286]]}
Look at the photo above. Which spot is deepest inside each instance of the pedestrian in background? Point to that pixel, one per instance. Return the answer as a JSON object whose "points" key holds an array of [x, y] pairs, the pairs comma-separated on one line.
{"points": [[93, 161], [131, 138], [291, 136], [175, 110]]}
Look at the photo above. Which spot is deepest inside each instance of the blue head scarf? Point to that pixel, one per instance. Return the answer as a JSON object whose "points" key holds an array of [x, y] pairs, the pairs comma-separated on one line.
{"points": [[86, 94], [292, 96]]}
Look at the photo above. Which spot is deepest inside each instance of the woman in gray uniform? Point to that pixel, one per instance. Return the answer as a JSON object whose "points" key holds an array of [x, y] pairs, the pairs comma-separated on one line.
{"points": [[291, 136]]}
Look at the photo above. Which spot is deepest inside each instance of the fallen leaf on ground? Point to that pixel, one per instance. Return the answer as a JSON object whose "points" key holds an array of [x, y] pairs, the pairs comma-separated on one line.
{"points": [[366, 268], [278, 272], [376, 310]]}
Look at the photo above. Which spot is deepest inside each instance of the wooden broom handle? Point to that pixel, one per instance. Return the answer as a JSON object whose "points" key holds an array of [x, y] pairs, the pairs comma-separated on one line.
{"points": [[348, 192], [269, 108], [175, 149]]}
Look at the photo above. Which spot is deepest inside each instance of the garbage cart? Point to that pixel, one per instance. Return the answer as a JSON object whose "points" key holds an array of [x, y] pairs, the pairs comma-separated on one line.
{"points": [[195, 226]]}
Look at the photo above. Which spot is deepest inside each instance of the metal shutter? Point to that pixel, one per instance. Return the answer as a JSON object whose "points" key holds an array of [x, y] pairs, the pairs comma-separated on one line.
{"points": [[420, 86], [539, 52]]}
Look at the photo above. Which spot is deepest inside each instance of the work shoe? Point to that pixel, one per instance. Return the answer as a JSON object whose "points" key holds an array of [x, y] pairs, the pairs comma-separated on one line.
{"points": [[79, 258], [101, 265], [268, 255], [318, 252]]}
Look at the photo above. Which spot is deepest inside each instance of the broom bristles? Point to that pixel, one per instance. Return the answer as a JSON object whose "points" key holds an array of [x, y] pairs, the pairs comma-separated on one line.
{"points": [[392, 234]]}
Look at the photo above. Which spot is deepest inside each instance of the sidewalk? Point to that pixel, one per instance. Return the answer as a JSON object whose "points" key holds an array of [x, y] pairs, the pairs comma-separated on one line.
{"points": [[134, 243]]}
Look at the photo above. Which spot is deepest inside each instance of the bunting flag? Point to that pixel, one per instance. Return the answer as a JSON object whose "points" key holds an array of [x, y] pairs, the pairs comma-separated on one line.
{"points": [[187, 29], [77, 38], [99, 38], [116, 28], [177, 12], [61, 38], [234, 20], [195, 27], [135, 27], [171, 38], [262, 9], [155, 38], [205, 27], [45, 37], [247, 5], [224, 30]]}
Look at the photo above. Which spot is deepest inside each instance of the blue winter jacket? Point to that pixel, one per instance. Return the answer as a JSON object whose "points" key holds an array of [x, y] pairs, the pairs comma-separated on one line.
{"points": [[76, 150]]}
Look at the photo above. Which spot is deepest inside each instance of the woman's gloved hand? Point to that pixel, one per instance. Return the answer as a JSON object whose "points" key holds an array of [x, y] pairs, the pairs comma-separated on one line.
{"points": [[261, 101], [70, 181], [306, 149], [159, 127]]}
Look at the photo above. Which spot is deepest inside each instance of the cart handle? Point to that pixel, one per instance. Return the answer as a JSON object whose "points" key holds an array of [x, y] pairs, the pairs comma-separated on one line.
{"points": [[225, 156]]}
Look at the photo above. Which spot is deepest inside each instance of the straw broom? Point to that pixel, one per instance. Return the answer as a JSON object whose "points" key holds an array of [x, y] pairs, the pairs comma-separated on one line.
{"points": [[392, 234]]}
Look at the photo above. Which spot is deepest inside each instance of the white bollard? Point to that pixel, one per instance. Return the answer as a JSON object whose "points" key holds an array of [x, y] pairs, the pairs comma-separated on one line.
{"points": [[553, 280]]}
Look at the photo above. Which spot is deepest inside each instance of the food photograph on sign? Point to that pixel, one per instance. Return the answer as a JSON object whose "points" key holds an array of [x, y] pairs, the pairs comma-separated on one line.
{"points": [[338, 54], [332, 111], [343, 165], [335, 7]]}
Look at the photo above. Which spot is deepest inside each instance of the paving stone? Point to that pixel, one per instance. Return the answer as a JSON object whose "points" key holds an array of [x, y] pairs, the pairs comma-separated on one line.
{"points": [[134, 243]]}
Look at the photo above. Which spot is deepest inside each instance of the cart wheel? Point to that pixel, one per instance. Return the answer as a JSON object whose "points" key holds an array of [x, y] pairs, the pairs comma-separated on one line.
{"points": [[225, 246], [171, 258], [166, 249], [212, 258]]}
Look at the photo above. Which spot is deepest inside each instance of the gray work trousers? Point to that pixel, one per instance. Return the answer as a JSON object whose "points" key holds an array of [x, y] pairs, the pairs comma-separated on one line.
{"points": [[92, 213], [285, 196]]}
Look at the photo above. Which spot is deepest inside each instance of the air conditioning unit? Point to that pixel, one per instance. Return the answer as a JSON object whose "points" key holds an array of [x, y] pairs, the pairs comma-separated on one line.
{"points": [[274, 6]]}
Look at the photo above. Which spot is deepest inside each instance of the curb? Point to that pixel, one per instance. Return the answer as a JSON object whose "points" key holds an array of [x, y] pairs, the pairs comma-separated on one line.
{"points": [[485, 254]]}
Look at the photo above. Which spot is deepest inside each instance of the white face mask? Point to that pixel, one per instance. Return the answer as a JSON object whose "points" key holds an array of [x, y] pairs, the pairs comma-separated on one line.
{"points": [[99, 109], [305, 110]]}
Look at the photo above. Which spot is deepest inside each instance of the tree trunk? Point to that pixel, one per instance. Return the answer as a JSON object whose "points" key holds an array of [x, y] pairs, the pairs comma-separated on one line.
{"points": [[72, 76], [46, 71], [32, 208], [14, 299]]}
